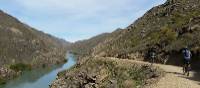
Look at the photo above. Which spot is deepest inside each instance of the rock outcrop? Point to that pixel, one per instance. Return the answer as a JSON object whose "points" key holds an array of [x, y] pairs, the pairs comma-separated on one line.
{"points": [[96, 72]]}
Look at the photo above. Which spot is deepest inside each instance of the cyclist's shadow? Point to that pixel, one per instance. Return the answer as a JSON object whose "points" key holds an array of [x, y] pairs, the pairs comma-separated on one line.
{"points": [[176, 73], [195, 76]]}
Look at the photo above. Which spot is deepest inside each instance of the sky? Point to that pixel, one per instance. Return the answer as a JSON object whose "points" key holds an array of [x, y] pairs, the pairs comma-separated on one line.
{"points": [[75, 20]]}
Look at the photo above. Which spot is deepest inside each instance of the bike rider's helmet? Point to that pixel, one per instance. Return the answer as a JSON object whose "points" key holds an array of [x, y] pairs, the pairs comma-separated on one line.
{"points": [[186, 48]]}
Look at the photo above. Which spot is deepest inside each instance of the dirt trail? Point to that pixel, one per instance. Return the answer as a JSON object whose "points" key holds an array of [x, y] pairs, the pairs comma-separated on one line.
{"points": [[174, 77]]}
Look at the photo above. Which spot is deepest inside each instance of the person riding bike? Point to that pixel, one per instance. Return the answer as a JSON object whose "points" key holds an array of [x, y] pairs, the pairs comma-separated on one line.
{"points": [[186, 60], [153, 55]]}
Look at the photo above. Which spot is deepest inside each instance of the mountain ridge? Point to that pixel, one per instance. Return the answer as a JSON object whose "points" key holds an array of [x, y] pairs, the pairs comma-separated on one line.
{"points": [[23, 46], [168, 27]]}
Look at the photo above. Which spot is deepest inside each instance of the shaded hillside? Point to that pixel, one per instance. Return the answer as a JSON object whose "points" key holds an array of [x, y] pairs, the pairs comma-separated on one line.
{"points": [[23, 47], [21, 43], [168, 27]]}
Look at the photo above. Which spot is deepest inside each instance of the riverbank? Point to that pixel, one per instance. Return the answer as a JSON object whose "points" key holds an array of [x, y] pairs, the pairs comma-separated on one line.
{"points": [[24, 47], [40, 77], [7, 74], [97, 72], [12, 71]]}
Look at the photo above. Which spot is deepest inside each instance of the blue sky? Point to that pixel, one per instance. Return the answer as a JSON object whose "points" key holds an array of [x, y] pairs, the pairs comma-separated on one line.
{"points": [[75, 20]]}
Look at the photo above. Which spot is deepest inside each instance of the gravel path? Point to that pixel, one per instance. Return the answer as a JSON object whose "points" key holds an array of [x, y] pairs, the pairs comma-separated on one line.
{"points": [[174, 77]]}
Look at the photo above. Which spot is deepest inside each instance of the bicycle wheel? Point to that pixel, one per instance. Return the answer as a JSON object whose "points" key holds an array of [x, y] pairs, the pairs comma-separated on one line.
{"points": [[188, 70], [183, 70], [188, 73]]}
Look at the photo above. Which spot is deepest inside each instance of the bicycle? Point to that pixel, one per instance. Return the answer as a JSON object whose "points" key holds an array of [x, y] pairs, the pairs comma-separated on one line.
{"points": [[186, 69], [152, 60]]}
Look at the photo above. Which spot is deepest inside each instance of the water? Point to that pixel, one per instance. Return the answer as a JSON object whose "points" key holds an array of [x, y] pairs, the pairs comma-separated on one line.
{"points": [[39, 78]]}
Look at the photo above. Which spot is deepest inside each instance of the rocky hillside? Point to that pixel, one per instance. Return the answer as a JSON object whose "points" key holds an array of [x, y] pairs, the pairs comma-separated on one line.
{"points": [[96, 72], [25, 47], [168, 27]]}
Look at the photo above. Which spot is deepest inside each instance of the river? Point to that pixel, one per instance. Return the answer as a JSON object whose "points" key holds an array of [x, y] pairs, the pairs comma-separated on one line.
{"points": [[40, 78]]}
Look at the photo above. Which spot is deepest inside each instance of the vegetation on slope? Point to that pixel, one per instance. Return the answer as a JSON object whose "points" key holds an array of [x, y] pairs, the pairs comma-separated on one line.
{"points": [[20, 67], [107, 73], [168, 27], [23, 44], [2, 81], [23, 47]]}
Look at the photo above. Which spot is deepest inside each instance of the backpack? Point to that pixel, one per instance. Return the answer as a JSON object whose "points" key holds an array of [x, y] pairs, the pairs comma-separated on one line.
{"points": [[187, 53], [153, 54]]}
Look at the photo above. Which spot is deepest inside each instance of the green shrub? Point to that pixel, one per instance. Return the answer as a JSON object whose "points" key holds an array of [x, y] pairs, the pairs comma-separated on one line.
{"points": [[2, 81], [166, 34], [184, 18], [62, 73], [20, 67]]}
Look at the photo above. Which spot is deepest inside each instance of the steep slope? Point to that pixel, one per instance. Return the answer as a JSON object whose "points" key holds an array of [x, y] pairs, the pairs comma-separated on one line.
{"points": [[24, 46], [21, 43], [168, 27]]}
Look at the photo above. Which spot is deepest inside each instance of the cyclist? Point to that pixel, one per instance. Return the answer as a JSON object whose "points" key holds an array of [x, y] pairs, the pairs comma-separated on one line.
{"points": [[153, 55], [187, 58]]}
